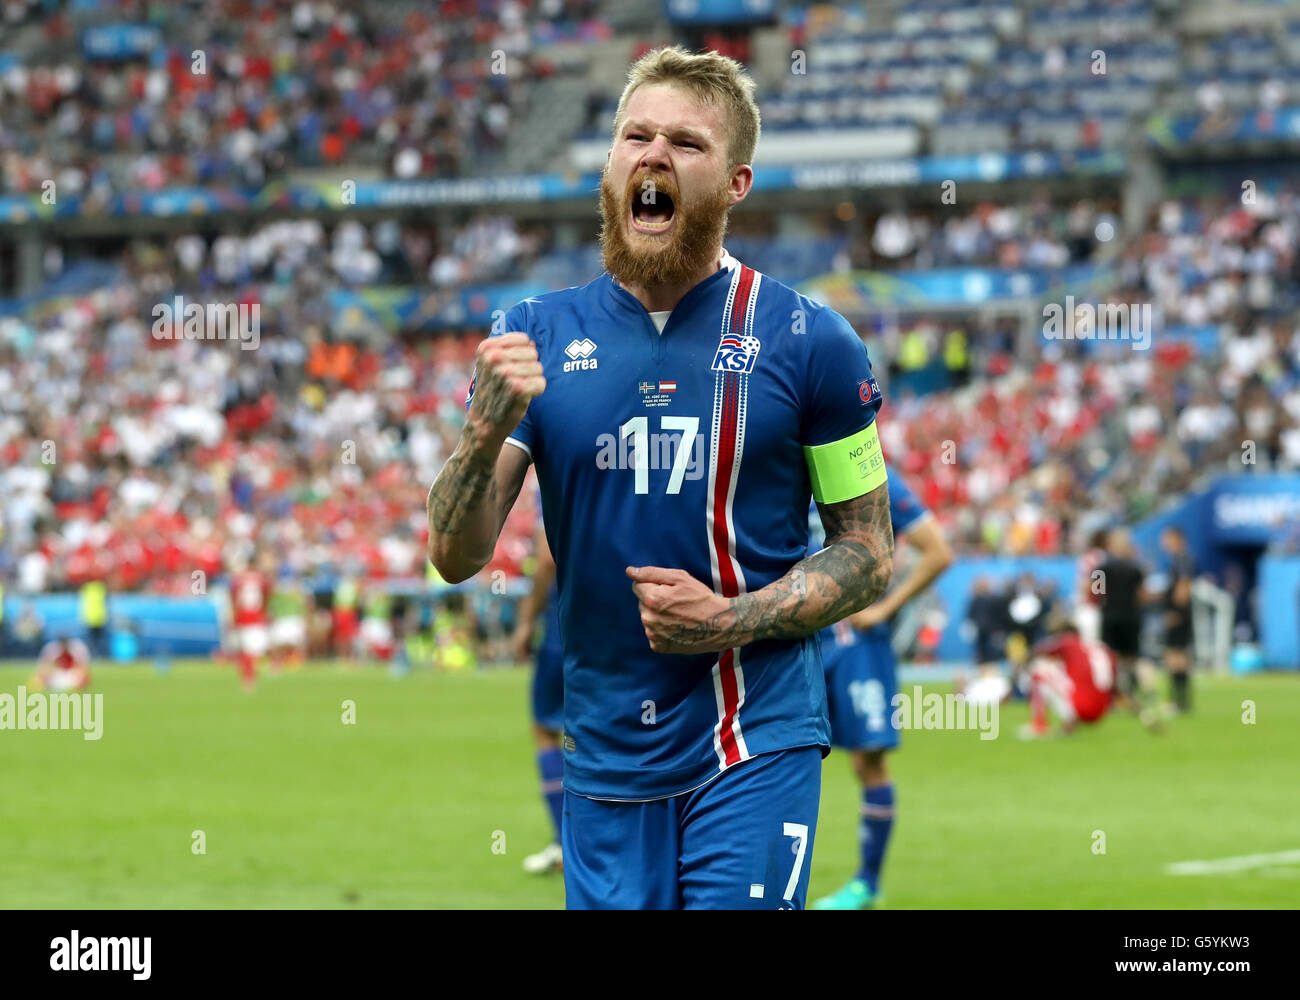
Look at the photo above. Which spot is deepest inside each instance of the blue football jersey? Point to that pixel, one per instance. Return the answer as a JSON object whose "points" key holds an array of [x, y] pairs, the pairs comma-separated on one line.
{"points": [[684, 450], [904, 511], [551, 620]]}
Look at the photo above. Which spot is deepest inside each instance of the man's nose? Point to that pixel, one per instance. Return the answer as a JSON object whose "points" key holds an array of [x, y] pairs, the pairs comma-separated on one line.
{"points": [[655, 156]]}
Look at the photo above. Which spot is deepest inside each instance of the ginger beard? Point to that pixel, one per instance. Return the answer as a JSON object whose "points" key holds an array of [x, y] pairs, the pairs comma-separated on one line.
{"points": [[688, 246]]}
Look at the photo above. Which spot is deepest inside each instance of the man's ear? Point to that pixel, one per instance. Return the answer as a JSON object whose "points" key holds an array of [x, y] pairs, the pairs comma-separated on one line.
{"points": [[742, 182]]}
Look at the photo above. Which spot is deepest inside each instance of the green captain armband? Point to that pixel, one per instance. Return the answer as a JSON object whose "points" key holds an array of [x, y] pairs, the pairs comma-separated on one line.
{"points": [[847, 468]]}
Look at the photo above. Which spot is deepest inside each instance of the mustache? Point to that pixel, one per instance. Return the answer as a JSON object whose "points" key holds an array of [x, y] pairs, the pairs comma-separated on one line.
{"points": [[645, 184], [689, 248]]}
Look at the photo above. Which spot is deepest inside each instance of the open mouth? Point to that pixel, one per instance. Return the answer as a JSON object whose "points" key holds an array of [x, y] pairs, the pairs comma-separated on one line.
{"points": [[653, 216]]}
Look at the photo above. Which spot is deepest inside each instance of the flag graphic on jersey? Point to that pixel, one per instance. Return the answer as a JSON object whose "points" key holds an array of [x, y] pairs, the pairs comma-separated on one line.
{"points": [[731, 384]]}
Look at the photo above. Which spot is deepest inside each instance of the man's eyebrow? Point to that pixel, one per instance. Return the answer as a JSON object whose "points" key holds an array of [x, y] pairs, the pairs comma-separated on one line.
{"points": [[677, 131]]}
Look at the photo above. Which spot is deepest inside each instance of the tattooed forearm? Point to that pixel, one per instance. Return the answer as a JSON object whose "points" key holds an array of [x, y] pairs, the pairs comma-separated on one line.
{"points": [[469, 500], [461, 487], [493, 400], [467, 504], [850, 573]]}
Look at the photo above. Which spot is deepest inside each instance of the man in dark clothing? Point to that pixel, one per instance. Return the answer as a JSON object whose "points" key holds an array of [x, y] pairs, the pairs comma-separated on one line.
{"points": [[988, 614], [1178, 616], [1121, 609]]}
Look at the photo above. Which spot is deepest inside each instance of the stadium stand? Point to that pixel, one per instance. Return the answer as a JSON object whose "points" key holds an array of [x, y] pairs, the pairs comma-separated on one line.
{"points": [[185, 454]]}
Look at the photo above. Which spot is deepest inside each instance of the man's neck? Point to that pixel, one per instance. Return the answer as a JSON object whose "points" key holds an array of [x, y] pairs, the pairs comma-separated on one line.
{"points": [[664, 298]]}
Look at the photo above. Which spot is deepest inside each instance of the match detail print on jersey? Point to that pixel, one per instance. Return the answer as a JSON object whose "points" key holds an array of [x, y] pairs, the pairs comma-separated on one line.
{"points": [[848, 468], [737, 352]]}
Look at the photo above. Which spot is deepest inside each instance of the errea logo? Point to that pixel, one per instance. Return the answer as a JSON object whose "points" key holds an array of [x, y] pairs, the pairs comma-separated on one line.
{"points": [[579, 352]]}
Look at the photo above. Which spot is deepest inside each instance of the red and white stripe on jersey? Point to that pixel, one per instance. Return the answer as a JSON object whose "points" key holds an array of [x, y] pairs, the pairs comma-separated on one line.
{"points": [[726, 446]]}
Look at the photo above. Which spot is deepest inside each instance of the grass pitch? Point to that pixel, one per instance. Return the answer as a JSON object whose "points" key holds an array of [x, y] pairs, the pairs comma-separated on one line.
{"points": [[405, 807]]}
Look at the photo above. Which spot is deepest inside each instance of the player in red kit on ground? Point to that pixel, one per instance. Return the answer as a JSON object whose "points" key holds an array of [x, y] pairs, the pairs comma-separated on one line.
{"points": [[64, 666], [1073, 676]]}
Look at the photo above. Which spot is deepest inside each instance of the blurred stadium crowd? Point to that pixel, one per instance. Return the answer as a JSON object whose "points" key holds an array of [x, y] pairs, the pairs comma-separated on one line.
{"points": [[411, 90], [397, 86], [319, 445]]}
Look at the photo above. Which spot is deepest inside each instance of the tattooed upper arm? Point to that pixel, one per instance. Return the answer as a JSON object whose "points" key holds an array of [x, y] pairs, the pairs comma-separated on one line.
{"points": [[866, 516], [847, 575], [861, 534]]}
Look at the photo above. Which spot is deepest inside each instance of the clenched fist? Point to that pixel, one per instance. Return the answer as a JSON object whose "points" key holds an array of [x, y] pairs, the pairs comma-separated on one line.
{"points": [[507, 377], [679, 613]]}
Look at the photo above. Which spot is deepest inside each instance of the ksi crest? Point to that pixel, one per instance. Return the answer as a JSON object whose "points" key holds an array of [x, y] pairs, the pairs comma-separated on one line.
{"points": [[736, 353]]}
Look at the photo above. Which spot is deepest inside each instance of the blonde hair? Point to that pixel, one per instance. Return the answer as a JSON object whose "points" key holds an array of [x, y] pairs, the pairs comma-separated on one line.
{"points": [[713, 79]]}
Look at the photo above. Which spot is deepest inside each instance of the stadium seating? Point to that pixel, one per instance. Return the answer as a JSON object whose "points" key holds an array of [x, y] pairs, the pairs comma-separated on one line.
{"points": [[405, 91], [188, 456], [194, 453]]}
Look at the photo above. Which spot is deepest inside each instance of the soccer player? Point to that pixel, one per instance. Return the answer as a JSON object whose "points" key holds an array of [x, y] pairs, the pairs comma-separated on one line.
{"points": [[1178, 617], [399, 616], [1073, 676], [64, 666], [287, 610], [547, 695], [250, 591], [861, 681], [377, 622], [679, 410], [346, 617]]}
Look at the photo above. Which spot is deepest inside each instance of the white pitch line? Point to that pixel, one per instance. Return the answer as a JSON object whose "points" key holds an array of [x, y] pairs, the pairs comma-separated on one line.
{"points": [[1220, 866]]}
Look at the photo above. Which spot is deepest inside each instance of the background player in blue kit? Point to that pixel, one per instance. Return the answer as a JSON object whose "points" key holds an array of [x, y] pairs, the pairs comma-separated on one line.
{"points": [[547, 690], [861, 681], [680, 410]]}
